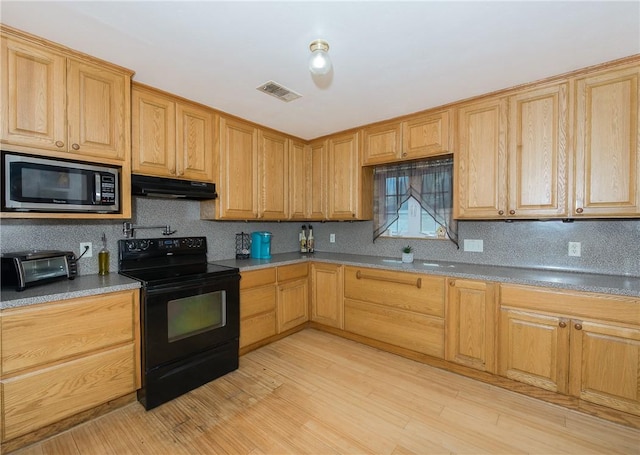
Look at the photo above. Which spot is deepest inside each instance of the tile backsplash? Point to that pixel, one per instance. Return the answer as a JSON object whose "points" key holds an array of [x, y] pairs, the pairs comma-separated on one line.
{"points": [[607, 246]]}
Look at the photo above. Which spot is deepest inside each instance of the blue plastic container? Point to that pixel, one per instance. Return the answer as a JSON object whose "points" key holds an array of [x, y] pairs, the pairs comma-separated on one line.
{"points": [[261, 245]]}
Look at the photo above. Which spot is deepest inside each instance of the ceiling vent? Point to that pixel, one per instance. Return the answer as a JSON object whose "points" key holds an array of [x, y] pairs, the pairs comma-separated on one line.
{"points": [[276, 90]]}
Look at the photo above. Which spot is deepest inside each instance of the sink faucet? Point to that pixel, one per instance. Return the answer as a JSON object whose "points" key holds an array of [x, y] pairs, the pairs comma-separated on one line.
{"points": [[128, 229]]}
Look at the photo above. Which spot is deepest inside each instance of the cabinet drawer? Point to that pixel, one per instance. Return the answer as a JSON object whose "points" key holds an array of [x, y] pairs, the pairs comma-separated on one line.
{"points": [[574, 304], [406, 329], [257, 328], [34, 400], [56, 331], [291, 272], [257, 278], [406, 291], [256, 301]]}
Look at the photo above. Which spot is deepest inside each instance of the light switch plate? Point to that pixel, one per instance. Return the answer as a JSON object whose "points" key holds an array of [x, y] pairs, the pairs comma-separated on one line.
{"points": [[474, 245]]}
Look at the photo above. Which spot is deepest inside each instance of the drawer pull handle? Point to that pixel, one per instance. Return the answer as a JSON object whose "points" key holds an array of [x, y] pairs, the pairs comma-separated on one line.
{"points": [[361, 276]]}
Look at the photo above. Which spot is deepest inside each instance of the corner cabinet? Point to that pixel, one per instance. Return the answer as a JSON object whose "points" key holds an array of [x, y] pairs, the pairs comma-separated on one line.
{"points": [[349, 187], [582, 344], [55, 101], [62, 358], [607, 144], [171, 137]]}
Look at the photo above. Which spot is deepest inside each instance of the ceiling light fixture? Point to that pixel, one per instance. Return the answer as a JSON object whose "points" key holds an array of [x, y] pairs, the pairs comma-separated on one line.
{"points": [[319, 63]]}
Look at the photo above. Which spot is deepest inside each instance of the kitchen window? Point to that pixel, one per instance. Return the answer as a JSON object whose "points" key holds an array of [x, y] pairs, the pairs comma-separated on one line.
{"points": [[415, 200]]}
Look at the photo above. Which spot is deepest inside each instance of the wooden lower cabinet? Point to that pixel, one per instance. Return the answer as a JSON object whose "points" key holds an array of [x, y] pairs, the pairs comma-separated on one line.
{"points": [[327, 306], [257, 305], [399, 308], [293, 296], [471, 317], [62, 358], [581, 344], [534, 349]]}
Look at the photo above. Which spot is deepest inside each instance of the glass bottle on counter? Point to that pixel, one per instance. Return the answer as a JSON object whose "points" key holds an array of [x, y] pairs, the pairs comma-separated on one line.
{"points": [[303, 239], [310, 241], [103, 257]]}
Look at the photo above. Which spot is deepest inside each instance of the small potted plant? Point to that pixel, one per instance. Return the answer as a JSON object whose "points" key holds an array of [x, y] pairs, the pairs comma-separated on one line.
{"points": [[407, 255]]}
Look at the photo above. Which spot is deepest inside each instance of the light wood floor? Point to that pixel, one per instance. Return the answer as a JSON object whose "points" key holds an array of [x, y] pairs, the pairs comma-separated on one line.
{"points": [[315, 393]]}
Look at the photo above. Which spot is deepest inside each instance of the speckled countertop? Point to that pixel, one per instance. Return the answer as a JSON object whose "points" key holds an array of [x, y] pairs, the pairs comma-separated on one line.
{"points": [[590, 282], [81, 286], [88, 285]]}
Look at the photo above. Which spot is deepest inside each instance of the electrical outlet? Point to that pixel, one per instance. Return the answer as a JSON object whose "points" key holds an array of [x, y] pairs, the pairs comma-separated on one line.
{"points": [[89, 252], [574, 249], [332, 238]]}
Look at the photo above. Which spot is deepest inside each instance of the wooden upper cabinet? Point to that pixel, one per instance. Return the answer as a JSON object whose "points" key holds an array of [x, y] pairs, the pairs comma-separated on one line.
{"points": [[607, 180], [153, 133], [52, 101], [273, 176], [194, 135], [98, 111], [318, 182], [537, 153], [418, 137], [349, 185], [171, 137], [426, 135], [299, 170], [33, 96], [481, 170], [238, 181], [382, 143]]}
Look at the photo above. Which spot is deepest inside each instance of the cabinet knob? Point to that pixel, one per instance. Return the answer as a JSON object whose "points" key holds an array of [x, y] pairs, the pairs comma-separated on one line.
{"points": [[500, 212], [59, 144], [512, 212], [578, 326], [404, 154], [452, 283], [75, 147], [562, 324], [579, 210]]}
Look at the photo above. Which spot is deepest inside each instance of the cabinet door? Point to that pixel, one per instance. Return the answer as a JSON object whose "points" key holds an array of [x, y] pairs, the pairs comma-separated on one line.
{"points": [[238, 170], [273, 176], [426, 135], [98, 110], [343, 171], [482, 165], [607, 144], [327, 306], [299, 170], [317, 186], [33, 96], [293, 304], [194, 134], [534, 348], [153, 127], [605, 365], [538, 126], [381, 143], [471, 324]]}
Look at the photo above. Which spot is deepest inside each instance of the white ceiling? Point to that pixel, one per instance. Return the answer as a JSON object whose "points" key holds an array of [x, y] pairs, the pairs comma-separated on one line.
{"points": [[390, 58]]}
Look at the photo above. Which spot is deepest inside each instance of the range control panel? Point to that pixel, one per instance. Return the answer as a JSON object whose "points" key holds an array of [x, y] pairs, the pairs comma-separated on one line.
{"points": [[146, 248]]}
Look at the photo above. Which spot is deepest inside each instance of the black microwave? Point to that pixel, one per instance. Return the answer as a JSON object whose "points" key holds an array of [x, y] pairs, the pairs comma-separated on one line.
{"points": [[32, 183]]}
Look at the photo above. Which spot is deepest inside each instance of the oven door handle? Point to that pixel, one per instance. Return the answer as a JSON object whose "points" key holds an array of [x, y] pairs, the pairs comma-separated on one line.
{"points": [[213, 285]]}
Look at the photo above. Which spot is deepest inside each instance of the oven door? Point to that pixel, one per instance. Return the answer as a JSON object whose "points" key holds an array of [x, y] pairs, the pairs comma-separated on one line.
{"points": [[189, 317]]}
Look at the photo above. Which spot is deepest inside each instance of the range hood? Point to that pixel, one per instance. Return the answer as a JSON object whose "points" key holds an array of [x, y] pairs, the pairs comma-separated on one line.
{"points": [[143, 185]]}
